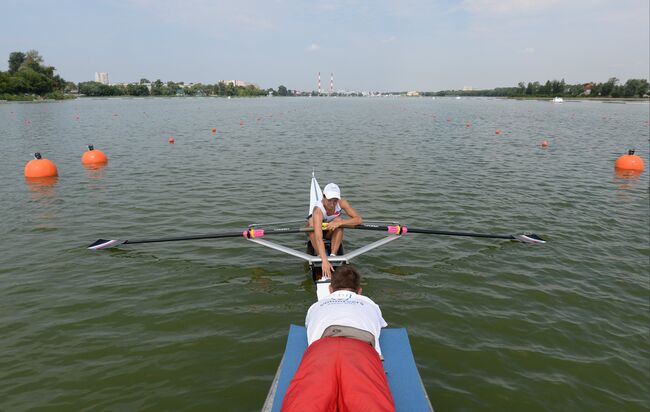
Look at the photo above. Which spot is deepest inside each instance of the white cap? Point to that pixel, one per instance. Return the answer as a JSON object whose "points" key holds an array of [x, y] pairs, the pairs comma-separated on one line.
{"points": [[332, 191]]}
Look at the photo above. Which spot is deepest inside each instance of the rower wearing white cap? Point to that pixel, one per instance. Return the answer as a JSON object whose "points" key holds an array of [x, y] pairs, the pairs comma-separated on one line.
{"points": [[328, 209]]}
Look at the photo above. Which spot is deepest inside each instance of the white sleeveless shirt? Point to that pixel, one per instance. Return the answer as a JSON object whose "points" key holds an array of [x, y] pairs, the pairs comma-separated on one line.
{"points": [[326, 217], [344, 308]]}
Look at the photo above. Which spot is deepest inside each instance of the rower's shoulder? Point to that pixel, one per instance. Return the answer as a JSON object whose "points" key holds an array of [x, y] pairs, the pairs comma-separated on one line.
{"points": [[317, 210]]}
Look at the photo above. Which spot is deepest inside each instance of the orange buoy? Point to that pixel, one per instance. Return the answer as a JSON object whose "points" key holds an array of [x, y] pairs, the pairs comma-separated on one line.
{"points": [[93, 156], [545, 144], [39, 167], [171, 140], [629, 161], [498, 131]]}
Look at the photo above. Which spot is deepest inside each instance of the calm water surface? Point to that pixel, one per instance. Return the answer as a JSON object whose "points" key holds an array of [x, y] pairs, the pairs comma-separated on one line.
{"points": [[201, 325]]}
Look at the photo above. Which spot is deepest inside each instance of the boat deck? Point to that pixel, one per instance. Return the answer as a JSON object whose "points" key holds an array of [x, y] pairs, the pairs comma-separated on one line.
{"points": [[402, 373]]}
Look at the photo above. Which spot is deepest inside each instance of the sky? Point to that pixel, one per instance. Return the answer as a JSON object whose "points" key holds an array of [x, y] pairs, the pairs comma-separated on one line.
{"points": [[379, 45]]}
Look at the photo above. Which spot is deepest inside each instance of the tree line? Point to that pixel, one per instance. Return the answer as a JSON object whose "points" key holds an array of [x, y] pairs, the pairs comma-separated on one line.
{"points": [[170, 88], [559, 88], [28, 75]]}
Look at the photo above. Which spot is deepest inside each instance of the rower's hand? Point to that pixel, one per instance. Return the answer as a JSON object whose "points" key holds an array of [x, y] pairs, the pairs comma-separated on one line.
{"points": [[333, 225], [327, 270]]}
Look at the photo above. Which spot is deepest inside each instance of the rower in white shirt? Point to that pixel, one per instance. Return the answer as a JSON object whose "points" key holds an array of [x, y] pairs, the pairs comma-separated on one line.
{"points": [[341, 369], [328, 210]]}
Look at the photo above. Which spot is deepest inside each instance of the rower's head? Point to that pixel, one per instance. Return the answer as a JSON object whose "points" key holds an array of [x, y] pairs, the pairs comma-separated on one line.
{"points": [[331, 193], [346, 277]]}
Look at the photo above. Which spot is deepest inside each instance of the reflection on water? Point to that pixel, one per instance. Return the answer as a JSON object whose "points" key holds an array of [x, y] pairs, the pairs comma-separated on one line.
{"points": [[42, 188], [96, 171], [628, 174], [627, 180], [43, 193]]}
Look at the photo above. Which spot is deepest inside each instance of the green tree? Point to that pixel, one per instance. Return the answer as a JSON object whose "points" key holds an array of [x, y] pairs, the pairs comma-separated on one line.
{"points": [[221, 89], [157, 88], [282, 90], [137, 90], [33, 60], [522, 88], [171, 88], [635, 87], [608, 87], [230, 90], [530, 89], [16, 60]]}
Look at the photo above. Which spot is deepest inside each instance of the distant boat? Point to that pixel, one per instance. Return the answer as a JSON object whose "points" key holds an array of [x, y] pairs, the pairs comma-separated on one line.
{"points": [[433, 98], [457, 97], [558, 100]]}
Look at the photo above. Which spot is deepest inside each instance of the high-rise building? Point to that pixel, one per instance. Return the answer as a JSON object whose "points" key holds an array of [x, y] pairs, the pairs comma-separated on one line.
{"points": [[101, 77]]}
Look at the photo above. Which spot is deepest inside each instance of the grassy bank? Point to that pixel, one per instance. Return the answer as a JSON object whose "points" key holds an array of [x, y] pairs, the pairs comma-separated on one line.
{"points": [[33, 97]]}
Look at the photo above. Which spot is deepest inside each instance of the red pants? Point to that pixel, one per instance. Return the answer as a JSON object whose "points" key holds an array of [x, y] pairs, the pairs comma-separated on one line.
{"points": [[339, 375]]}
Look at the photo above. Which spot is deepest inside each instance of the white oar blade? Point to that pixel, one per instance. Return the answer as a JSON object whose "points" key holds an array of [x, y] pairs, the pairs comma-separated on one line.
{"points": [[315, 194], [105, 244], [532, 239]]}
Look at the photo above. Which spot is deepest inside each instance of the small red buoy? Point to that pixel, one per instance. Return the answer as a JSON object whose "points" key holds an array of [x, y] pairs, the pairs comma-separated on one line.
{"points": [[629, 161], [241, 123], [497, 131], [93, 156], [171, 140], [468, 125], [214, 130], [39, 167], [545, 144]]}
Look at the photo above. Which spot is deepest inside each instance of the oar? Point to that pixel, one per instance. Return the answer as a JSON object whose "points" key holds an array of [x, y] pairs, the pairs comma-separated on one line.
{"points": [[400, 230], [248, 233]]}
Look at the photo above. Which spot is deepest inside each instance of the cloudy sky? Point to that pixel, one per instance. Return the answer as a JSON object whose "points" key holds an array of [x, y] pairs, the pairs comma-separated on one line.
{"points": [[369, 45]]}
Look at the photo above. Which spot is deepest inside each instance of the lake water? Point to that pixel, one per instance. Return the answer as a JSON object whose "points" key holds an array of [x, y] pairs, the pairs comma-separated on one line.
{"points": [[201, 325]]}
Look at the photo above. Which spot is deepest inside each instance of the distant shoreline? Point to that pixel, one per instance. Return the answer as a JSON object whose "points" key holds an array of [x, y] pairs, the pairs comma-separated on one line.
{"points": [[39, 99], [568, 99]]}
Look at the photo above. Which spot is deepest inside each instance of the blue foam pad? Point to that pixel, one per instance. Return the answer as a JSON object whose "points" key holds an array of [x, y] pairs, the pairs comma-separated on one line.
{"points": [[401, 371], [296, 346]]}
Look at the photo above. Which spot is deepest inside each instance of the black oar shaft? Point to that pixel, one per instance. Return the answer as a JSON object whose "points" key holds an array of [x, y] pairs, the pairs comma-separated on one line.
{"points": [[403, 229], [195, 237], [450, 233], [248, 233]]}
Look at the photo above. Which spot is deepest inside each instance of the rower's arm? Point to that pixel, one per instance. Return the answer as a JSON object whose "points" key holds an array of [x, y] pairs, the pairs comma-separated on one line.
{"points": [[317, 220], [354, 217]]}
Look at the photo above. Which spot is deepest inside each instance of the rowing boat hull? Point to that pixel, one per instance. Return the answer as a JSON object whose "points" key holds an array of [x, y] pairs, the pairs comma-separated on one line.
{"points": [[402, 373]]}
